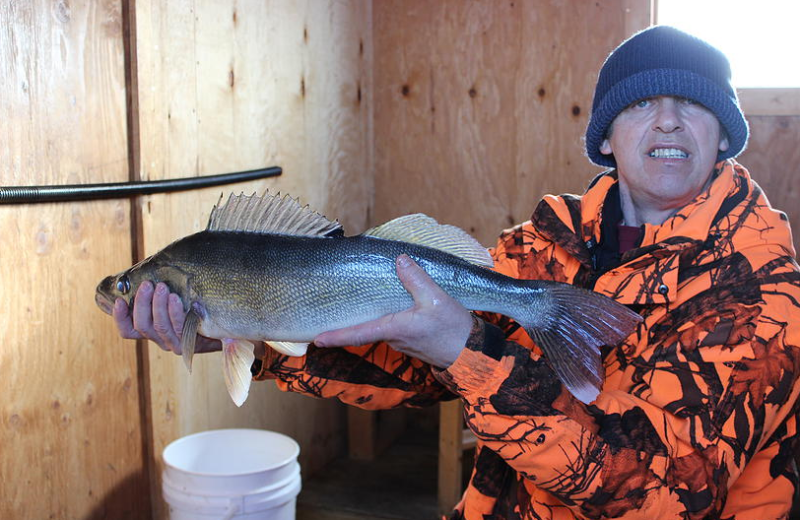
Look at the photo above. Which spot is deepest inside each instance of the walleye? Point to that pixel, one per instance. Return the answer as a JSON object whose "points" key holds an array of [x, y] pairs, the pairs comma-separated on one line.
{"points": [[268, 269]]}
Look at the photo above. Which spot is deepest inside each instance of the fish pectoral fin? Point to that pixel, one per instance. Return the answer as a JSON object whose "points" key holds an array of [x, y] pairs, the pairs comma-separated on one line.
{"points": [[237, 358], [289, 348], [189, 337]]}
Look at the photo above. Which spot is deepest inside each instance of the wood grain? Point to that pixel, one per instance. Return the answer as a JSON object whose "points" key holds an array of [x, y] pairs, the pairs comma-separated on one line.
{"points": [[233, 86], [481, 106], [773, 159], [70, 439]]}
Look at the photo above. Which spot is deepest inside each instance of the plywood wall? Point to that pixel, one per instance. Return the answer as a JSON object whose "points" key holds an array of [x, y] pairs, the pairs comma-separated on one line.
{"points": [[772, 157], [226, 86], [70, 429], [481, 106], [213, 87]]}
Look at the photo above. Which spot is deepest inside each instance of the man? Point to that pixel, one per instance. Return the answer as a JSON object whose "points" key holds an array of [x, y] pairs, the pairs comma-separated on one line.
{"points": [[697, 417]]}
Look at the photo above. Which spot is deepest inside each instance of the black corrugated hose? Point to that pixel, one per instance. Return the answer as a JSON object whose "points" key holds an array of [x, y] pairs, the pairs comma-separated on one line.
{"points": [[78, 192]]}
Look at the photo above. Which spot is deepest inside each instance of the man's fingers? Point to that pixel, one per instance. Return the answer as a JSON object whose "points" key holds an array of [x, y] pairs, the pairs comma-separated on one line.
{"points": [[417, 282], [124, 321], [143, 309], [162, 320], [363, 334]]}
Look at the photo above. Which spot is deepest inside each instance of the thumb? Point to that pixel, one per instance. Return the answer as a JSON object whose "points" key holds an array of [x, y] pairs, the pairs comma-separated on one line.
{"points": [[416, 281]]}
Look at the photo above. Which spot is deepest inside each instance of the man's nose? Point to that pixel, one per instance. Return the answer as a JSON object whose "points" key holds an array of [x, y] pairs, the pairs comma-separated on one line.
{"points": [[667, 116]]}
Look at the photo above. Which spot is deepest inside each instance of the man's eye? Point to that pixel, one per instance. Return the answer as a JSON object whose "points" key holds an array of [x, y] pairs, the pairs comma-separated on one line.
{"points": [[689, 101], [642, 103]]}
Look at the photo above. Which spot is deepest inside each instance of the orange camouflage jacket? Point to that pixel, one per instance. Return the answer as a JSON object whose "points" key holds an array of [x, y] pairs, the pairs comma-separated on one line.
{"points": [[698, 414]]}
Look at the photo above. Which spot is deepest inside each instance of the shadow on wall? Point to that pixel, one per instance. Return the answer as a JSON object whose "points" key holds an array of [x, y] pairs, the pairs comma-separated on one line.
{"points": [[124, 501]]}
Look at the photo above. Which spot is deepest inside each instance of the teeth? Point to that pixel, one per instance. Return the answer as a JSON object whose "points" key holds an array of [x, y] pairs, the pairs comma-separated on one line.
{"points": [[668, 153]]}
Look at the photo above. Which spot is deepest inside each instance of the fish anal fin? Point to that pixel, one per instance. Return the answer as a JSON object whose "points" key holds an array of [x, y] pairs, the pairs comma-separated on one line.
{"points": [[269, 214], [237, 358], [189, 338], [288, 348], [423, 230]]}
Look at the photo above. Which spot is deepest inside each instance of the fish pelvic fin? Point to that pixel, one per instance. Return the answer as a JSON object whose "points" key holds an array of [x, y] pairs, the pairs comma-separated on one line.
{"points": [[423, 230], [237, 358], [289, 348], [577, 323], [269, 214], [189, 338]]}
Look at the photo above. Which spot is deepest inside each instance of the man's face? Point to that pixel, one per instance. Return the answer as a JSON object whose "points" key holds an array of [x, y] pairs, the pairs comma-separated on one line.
{"points": [[665, 148]]}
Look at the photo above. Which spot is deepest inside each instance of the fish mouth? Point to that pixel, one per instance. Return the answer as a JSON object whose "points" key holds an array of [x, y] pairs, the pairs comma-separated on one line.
{"points": [[105, 304]]}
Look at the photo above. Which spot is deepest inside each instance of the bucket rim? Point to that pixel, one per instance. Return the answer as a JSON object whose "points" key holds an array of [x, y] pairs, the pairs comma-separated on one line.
{"points": [[295, 451]]}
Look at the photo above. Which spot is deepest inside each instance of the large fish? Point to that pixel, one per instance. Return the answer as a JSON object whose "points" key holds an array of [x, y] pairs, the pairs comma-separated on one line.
{"points": [[268, 269]]}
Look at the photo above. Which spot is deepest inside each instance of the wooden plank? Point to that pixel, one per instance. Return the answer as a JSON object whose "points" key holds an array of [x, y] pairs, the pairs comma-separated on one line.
{"points": [[70, 435], [773, 159], [362, 434], [639, 14], [770, 101], [371, 432], [451, 454], [481, 106], [227, 86]]}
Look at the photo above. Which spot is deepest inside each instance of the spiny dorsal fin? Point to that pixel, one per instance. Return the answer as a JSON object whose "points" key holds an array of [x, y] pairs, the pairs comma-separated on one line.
{"points": [[269, 214], [422, 230]]}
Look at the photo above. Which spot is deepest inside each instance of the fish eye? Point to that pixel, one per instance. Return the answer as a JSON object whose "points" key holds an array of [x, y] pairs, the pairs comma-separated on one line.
{"points": [[123, 284]]}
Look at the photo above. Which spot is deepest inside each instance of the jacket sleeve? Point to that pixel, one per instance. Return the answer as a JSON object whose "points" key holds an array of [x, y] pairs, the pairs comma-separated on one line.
{"points": [[711, 394], [371, 376]]}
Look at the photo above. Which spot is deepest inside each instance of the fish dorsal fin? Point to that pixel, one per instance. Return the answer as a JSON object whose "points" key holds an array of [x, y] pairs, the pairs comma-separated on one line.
{"points": [[269, 214], [422, 230]]}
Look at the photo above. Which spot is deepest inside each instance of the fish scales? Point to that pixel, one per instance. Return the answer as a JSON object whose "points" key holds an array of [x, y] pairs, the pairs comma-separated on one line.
{"points": [[276, 287]]}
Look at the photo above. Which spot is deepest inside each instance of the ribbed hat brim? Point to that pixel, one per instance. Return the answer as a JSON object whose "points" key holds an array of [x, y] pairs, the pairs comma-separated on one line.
{"points": [[665, 82]]}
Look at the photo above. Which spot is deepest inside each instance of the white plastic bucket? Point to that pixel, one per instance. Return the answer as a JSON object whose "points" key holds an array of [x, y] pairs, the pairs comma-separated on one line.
{"points": [[232, 474]]}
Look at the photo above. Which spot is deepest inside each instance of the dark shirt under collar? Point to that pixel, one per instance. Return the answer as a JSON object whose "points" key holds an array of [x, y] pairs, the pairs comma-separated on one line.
{"points": [[615, 238]]}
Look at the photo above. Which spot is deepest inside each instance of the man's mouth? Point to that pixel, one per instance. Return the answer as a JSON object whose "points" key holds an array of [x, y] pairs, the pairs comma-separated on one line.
{"points": [[668, 153]]}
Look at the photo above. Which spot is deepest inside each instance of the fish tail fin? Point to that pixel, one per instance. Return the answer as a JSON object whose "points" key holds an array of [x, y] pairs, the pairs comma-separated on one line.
{"points": [[237, 358], [570, 332]]}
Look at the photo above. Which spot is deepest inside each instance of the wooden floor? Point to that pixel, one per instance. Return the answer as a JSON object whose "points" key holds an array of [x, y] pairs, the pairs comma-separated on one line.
{"points": [[399, 485]]}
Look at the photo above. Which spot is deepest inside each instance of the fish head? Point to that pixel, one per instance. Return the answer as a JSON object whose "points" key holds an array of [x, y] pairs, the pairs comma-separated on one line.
{"points": [[125, 284]]}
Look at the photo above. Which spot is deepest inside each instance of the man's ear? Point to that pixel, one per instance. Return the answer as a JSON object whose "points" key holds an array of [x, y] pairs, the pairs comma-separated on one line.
{"points": [[605, 147], [724, 144]]}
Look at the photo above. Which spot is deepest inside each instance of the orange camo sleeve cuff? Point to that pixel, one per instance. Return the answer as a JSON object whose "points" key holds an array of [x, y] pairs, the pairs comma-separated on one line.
{"points": [[480, 364]]}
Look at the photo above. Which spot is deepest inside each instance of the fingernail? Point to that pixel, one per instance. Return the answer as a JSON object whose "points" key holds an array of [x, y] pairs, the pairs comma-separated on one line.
{"points": [[161, 288], [403, 261]]}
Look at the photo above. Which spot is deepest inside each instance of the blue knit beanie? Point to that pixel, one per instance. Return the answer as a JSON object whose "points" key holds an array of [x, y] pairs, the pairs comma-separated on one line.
{"points": [[663, 61]]}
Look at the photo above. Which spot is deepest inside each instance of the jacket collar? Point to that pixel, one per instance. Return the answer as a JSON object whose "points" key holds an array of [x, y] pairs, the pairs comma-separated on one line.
{"points": [[575, 224]]}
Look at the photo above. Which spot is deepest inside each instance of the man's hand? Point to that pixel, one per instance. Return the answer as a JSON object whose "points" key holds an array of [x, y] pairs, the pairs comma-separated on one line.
{"points": [[157, 315], [434, 330]]}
